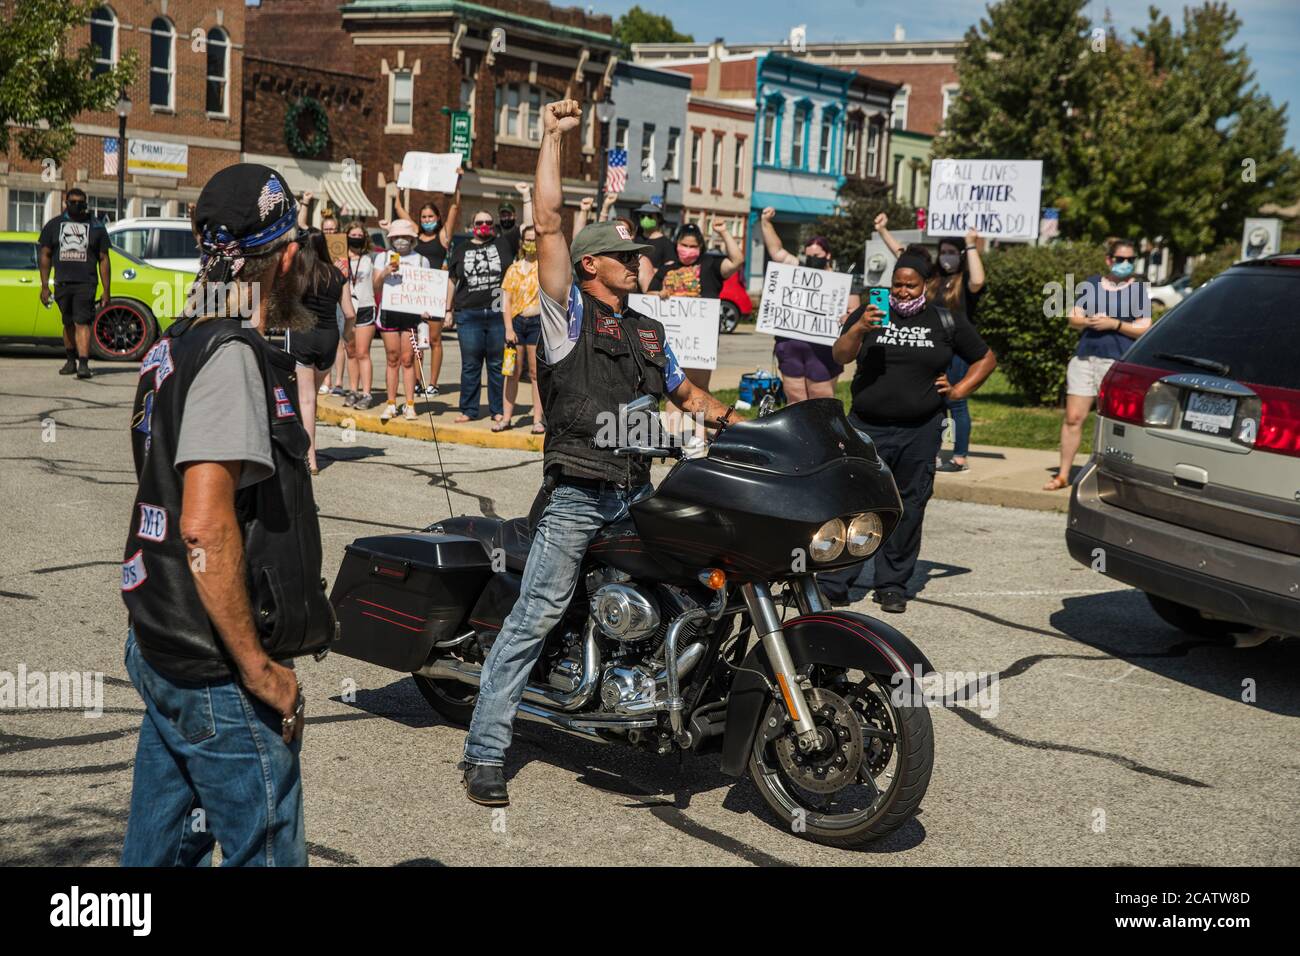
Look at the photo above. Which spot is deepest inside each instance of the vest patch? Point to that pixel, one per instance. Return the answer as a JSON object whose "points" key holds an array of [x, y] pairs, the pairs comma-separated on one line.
{"points": [[650, 340], [133, 572], [158, 361], [283, 407], [153, 522], [608, 325]]}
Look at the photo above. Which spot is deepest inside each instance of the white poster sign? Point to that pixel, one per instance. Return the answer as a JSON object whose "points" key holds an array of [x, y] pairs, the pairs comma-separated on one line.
{"points": [[999, 199], [418, 291], [805, 304], [430, 172], [146, 158], [691, 326]]}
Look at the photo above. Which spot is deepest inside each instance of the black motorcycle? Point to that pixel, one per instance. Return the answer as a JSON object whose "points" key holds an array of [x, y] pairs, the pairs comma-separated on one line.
{"points": [[680, 639]]}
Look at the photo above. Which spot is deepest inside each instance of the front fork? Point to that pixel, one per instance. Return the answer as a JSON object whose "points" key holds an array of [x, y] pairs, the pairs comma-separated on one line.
{"points": [[767, 624]]}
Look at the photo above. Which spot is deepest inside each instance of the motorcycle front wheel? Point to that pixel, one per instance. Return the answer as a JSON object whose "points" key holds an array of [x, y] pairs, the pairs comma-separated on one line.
{"points": [[869, 772]]}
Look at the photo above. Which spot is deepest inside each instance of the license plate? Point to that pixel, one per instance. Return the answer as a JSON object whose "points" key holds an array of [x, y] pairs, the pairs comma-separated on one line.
{"points": [[1210, 414]]}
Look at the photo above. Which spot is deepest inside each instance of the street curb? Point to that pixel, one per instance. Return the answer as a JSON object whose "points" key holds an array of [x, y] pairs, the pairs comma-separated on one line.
{"points": [[952, 489], [327, 414]]}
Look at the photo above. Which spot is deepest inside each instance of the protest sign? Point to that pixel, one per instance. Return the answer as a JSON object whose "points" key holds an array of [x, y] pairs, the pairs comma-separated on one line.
{"points": [[690, 324], [418, 291], [805, 304], [337, 245], [999, 199], [429, 172]]}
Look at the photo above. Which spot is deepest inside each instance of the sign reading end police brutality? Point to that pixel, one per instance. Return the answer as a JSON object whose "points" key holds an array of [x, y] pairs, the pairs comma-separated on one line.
{"points": [[418, 291], [690, 324], [805, 304], [997, 198]]}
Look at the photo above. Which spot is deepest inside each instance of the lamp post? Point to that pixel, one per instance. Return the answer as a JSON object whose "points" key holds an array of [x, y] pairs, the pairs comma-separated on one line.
{"points": [[605, 116], [123, 111]]}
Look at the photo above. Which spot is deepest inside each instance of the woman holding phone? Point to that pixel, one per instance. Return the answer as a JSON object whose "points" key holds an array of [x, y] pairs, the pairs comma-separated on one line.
{"points": [[899, 390]]}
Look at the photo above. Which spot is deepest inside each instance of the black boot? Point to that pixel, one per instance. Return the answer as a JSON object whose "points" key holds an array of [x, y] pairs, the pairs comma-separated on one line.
{"points": [[70, 366], [895, 602], [83, 368], [486, 785]]}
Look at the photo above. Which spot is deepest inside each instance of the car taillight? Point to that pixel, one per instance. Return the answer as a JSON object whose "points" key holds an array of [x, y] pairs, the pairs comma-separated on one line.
{"points": [[1279, 420], [1123, 391]]}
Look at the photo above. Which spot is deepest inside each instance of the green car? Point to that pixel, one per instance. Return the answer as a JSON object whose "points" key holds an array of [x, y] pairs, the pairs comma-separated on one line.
{"points": [[145, 301]]}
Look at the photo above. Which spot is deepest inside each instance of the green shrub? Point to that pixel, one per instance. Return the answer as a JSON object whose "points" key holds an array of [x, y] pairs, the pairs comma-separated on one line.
{"points": [[1215, 262], [1023, 312]]}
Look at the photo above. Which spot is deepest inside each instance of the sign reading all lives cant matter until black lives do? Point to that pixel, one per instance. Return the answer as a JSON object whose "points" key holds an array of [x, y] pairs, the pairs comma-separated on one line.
{"points": [[690, 324], [805, 304], [999, 199]]}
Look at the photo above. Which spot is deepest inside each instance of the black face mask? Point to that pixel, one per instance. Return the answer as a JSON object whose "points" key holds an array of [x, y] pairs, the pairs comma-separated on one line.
{"points": [[815, 262], [506, 223], [356, 242], [77, 208]]}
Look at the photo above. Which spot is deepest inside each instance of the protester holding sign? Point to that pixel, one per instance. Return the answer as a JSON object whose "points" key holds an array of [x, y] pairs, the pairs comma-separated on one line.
{"points": [[396, 327], [521, 309], [433, 242], [808, 370], [358, 270], [899, 388]]}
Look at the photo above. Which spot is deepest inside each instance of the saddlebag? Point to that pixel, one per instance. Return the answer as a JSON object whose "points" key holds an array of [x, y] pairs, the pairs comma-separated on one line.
{"points": [[398, 594]]}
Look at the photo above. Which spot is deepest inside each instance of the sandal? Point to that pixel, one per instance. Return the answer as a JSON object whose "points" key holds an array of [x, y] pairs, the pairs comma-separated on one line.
{"points": [[1057, 483], [501, 425], [462, 419], [539, 428]]}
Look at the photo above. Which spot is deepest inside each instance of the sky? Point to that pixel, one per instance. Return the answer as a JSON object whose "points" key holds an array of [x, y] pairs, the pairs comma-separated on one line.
{"points": [[1270, 29]]}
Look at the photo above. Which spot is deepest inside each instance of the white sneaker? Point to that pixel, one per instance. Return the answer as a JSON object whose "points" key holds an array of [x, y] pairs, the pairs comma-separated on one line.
{"points": [[408, 411], [389, 411], [324, 390]]}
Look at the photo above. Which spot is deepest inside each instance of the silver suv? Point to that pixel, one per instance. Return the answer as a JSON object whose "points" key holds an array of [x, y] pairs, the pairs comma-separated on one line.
{"points": [[1192, 494]]}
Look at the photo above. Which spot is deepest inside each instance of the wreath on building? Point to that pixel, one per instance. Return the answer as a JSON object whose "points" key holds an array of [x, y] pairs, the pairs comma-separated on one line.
{"points": [[311, 110]]}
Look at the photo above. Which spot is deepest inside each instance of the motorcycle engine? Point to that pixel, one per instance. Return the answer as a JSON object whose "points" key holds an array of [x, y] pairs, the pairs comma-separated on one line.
{"points": [[624, 612]]}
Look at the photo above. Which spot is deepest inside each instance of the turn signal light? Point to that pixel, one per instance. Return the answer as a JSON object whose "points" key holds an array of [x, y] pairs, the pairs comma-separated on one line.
{"points": [[714, 578]]}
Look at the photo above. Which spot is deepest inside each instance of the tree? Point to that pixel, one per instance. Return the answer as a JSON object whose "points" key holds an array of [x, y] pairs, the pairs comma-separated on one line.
{"points": [[639, 26], [45, 81], [859, 203]]}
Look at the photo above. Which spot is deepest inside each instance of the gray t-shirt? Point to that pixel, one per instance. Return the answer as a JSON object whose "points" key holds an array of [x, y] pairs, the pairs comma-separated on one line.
{"points": [[225, 415]]}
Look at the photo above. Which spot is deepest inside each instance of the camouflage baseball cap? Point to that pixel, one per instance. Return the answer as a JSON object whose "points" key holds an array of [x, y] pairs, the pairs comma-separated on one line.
{"points": [[602, 237]]}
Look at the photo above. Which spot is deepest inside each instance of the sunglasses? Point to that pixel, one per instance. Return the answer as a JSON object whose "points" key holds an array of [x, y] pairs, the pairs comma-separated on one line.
{"points": [[628, 257], [482, 222], [1124, 258]]}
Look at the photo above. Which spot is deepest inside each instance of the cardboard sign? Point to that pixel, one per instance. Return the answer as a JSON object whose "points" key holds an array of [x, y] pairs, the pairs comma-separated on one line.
{"points": [[805, 304], [338, 245], [997, 198], [690, 324], [418, 291], [430, 172]]}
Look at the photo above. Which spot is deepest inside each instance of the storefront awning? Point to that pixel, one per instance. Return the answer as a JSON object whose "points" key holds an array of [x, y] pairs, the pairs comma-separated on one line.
{"points": [[349, 198]]}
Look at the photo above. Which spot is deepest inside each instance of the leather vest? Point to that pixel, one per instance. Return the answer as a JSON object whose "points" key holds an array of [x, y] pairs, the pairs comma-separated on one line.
{"points": [[616, 359], [277, 516]]}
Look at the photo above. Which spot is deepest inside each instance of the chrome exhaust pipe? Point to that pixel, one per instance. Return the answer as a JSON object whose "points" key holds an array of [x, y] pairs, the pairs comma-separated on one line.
{"points": [[672, 673], [447, 668], [588, 728]]}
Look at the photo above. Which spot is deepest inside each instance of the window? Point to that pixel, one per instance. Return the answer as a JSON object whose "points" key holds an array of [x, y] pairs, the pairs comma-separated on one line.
{"points": [[873, 148], [898, 187], [900, 109], [176, 244], [162, 64], [620, 135], [852, 144], [103, 208], [534, 102], [916, 173], [17, 255], [519, 111], [697, 147], [648, 152], [799, 143], [825, 161], [26, 210], [218, 71], [771, 111], [715, 177], [400, 89], [674, 147], [151, 208], [103, 37], [738, 170], [949, 95], [133, 241]]}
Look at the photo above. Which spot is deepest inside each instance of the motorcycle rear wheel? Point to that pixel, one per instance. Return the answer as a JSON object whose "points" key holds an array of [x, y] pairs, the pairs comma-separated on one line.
{"points": [[452, 699], [893, 772]]}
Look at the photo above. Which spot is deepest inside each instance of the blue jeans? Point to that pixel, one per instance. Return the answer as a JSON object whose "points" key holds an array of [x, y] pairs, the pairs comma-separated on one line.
{"points": [[957, 370], [482, 337], [570, 521], [217, 749]]}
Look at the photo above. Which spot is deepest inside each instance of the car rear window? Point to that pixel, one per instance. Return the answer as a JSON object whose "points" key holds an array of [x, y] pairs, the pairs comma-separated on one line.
{"points": [[177, 244], [1247, 319], [17, 255]]}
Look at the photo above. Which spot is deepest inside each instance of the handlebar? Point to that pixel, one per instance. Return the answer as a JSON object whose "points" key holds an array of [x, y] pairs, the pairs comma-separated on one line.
{"points": [[647, 451]]}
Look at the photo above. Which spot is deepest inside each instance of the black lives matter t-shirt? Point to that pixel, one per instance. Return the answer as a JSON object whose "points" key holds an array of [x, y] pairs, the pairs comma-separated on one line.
{"points": [[897, 366], [75, 247], [477, 270]]}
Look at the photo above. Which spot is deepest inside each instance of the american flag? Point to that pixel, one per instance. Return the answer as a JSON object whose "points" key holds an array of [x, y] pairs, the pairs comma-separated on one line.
{"points": [[110, 156], [616, 175]]}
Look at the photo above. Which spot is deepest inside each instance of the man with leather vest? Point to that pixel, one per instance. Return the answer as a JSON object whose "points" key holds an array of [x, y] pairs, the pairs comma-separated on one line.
{"points": [[597, 356], [221, 571]]}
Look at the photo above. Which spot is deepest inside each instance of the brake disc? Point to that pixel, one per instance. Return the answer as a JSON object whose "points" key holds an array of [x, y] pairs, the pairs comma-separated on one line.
{"points": [[834, 764], [881, 745]]}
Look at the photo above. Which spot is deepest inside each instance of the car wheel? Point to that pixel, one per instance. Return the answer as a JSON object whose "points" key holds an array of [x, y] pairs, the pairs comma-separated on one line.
{"points": [[122, 331], [1191, 621], [729, 318]]}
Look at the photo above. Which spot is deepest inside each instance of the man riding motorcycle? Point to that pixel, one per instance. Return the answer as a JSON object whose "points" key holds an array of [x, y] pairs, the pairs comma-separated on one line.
{"points": [[597, 356]]}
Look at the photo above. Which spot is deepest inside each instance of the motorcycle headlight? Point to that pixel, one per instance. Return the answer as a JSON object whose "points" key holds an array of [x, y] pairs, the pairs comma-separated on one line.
{"points": [[865, 534], [828, 542]]}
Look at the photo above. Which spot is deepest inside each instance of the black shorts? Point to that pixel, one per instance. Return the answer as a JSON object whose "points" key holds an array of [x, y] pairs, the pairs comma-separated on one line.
{"points": [[528, 330], [76, 304], [398, 321], [315, 347], [365, 315]]}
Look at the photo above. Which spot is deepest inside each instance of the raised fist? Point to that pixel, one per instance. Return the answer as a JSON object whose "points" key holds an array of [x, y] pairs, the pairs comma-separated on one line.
{"points": [[562, 115], [718, 226], [880, 222], [587, 203], [768, 214], [524, 189]]}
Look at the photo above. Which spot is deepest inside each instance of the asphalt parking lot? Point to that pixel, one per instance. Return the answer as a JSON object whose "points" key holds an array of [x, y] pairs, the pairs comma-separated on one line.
{"points": [[1115, 739]]}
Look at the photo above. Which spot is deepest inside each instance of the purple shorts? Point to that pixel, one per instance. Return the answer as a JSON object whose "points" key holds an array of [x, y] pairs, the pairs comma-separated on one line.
{"points": [[797, 359]]}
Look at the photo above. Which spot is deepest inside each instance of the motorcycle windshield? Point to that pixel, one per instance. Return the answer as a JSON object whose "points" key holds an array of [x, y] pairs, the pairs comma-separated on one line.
{"points": [[797, 440]]}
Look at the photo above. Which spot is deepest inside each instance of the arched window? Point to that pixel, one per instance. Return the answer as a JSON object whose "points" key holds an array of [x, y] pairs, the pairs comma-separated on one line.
{"points": [[162, 64], [103, 36], [218, 98]]}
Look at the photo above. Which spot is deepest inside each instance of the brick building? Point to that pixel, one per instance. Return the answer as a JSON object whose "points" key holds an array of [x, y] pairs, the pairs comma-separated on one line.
{"points": [[184, 122], [405, 64], [719, 168]]}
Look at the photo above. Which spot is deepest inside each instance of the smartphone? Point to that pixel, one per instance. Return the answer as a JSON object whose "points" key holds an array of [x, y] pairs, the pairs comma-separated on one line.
{"points": [[880, 299]]}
